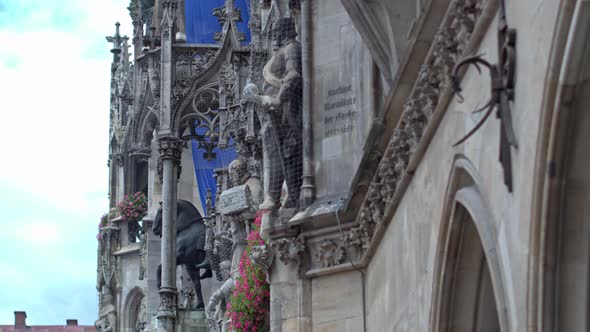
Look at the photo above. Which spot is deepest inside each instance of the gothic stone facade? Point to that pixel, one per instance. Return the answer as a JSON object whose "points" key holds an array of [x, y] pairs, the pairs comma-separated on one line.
{"points": [[399, 228]]}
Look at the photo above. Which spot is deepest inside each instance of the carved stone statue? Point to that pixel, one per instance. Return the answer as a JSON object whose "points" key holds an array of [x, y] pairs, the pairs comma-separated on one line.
{"points": [[215, 312], [262, 256], [239, 174], [107, 317], [281, 117]]}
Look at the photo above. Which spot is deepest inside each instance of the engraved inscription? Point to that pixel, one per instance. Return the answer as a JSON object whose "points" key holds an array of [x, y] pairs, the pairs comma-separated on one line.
{"points": [[340, 116], [234, 200]]}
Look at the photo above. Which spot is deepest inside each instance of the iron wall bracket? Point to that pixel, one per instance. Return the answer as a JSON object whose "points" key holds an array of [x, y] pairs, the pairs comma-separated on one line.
{"points": [[502, 77]]}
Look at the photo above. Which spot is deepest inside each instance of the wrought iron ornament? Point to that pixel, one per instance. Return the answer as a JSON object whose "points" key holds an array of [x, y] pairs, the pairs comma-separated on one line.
{"points": [[502, 78]]}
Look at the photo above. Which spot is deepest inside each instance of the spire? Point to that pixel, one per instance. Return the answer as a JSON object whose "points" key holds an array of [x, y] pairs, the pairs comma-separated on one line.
{"points": [[117, 40]]}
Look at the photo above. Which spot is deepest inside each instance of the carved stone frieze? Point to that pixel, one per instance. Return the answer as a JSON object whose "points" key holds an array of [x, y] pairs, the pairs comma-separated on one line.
{"points": [[330, 253], [433, 79], [290, 249]]}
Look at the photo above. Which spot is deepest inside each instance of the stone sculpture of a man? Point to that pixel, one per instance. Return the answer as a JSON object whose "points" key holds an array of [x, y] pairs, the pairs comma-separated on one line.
{"points": [[281, 117], [212, 311], [107, 317]]}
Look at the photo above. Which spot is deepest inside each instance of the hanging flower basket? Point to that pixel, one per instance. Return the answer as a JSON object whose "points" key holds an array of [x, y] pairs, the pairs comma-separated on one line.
{"points": [[133, 207], [250, 303]]}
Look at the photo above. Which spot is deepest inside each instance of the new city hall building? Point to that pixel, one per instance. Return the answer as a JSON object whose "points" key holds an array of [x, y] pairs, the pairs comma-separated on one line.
{"points": [[348, 165]]}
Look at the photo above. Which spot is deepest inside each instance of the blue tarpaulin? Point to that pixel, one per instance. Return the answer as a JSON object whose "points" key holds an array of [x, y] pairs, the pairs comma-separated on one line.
{"points": [[201, 25], [204, 169]]}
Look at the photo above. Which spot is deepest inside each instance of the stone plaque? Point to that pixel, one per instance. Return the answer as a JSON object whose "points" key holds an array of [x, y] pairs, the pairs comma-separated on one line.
{"points": [[234, 200], [343, 100]]}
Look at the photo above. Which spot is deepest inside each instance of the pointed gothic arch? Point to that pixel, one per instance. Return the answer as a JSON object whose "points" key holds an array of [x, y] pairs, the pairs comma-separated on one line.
{"points": [[559, 264], [469, 292]]}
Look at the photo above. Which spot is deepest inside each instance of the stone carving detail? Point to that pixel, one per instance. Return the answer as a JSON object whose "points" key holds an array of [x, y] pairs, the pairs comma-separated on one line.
{"points": [[186, 297], [142, 322], [154, 80], [107, 317], [262, 256], [433, 79], [190, 64], [331, 253], [143, 252], [170, 148], [290, 249], [214, 311], [280, 115], [167, 310], [168, 18]]}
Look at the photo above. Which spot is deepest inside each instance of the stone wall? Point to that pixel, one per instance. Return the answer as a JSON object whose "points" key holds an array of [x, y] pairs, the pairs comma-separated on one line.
{"points": [[401, 274], [343, 98]]}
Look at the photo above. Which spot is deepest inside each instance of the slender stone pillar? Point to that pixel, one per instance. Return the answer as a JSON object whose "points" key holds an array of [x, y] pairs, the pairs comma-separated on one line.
{"points": [[170, 153], [170, 149], [308, 186]]}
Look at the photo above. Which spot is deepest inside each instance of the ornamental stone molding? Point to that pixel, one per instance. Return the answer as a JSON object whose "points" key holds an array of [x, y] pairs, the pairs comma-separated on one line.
{"points": [[167, 310], [170, 148], [432, 82], [290, 250], [330, 253]]}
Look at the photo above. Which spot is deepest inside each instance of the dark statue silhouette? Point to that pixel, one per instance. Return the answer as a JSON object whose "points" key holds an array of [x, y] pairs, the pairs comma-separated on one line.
{"points": [[190, 245]]}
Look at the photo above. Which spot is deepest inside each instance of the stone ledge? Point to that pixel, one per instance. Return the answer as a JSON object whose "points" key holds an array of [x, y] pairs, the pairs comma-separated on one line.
{"points": [[129, 249], [313, 273]]}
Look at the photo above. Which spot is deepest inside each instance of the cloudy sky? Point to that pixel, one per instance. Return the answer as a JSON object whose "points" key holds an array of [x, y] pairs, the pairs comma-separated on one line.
{"points": [[54, 104]]}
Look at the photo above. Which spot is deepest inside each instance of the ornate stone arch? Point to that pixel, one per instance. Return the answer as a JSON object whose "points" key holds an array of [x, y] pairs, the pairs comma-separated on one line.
{"points": [[467, 224], [131, 309]]}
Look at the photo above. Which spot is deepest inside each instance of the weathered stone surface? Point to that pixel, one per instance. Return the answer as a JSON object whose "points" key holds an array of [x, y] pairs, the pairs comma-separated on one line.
{"points": [[234, 200], [342, 96]]}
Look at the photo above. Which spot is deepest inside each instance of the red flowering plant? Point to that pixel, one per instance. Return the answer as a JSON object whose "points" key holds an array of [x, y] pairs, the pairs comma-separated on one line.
{"points": [[133, 207], [250, 301]]}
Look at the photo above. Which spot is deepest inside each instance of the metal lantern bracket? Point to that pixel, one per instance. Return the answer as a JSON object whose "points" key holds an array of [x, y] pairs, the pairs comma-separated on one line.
{"points": [[502, 92]]}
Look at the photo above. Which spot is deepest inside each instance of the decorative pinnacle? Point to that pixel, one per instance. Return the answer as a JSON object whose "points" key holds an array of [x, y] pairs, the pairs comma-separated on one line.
{"points": [[116, 39]]}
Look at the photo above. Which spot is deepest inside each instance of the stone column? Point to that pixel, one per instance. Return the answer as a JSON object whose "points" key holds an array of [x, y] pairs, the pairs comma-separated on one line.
{"points": [[170, 149], [308, 186], [170, 153]]}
